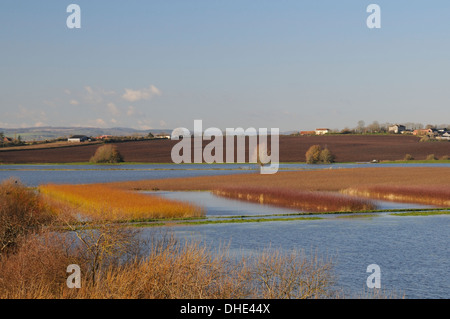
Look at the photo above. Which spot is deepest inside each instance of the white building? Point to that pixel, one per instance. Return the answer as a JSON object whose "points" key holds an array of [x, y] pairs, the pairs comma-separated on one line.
{"points": [[322, 131], [77, 139], [397, 129]]}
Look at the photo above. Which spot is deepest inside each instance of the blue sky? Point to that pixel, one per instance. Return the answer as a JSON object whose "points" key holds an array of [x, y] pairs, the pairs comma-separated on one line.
{"points": [[289, 64]]}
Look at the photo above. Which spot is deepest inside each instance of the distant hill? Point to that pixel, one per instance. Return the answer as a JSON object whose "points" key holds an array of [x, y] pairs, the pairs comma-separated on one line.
{"points": [[48, 133]]}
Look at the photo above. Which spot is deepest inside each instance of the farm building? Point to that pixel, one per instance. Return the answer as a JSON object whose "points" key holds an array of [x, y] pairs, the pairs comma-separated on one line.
{"points": [[397, 129], [166, 136], [322, 131], [77, 138], [445, 136]]}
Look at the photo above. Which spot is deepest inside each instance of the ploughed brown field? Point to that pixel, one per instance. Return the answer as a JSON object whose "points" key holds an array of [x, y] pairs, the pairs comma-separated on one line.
{"points": [[346, 148]]}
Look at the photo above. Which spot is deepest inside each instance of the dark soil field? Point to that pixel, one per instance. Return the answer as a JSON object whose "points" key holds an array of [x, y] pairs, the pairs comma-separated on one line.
{"points": [[346, 148]]}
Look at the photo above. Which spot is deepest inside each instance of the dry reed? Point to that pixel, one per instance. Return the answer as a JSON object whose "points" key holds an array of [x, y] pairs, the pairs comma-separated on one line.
{"points": [[102, 202], [169, 270], [431, 195], [296, 199]]}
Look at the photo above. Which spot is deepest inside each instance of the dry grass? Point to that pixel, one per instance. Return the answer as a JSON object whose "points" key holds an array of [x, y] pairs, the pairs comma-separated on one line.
{"points": [[169, 270], [297, 199], [431, 195], [103, 202], [22, 211]]}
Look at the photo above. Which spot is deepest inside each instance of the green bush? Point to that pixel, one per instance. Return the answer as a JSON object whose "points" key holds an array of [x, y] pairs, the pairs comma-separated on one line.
{"points": [[107, 154]]}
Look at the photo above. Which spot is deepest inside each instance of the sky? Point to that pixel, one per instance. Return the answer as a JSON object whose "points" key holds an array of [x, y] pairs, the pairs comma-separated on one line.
{"points": [[161, 64]]}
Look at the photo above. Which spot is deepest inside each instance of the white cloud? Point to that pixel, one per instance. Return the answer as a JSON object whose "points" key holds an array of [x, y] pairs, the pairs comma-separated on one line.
{"points": [[143, 94], [113, 109], [131, 111], [162, 123], [144, 125], [95, 96], [74, 102], [100, 122]]}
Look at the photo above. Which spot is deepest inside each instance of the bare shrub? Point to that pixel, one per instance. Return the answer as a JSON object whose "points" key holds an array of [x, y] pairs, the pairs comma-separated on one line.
{"points": [[103, 245], [313, 154], [326, 157], [38, 268], [431, 157], [22, 211], [291, 275], [409, 157], [107, 154], [316, 154], [169, 270]]}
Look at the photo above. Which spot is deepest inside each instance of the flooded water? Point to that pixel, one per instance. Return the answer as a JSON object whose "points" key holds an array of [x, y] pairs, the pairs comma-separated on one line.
{"points": [[34, 175], [412, 251]]}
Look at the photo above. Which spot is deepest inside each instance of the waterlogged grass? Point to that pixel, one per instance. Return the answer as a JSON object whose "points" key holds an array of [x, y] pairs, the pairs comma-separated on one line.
{"points": [[99, 201], [289, 217], [428, 213], [358, 216], [247, 220], [438, 161]]}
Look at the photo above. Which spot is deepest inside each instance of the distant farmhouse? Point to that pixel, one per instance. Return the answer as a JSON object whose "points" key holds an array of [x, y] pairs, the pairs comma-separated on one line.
{"points": [[444, 136], [427, 131], [322, 131], [166, 136], [77, 139], [397, 129]]}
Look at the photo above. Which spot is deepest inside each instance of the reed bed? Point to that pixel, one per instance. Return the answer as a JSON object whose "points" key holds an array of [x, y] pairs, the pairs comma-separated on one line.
{"points": [[297, 199], [430, 195], [99, 201], [329, 180]]}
